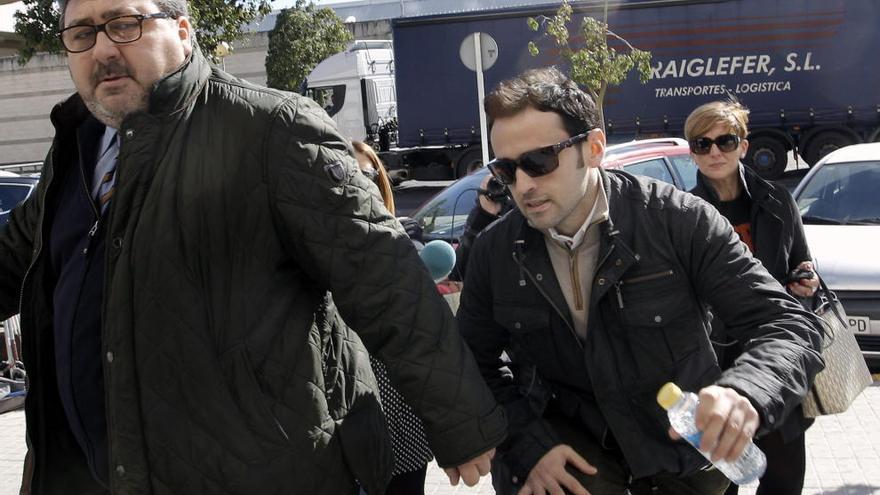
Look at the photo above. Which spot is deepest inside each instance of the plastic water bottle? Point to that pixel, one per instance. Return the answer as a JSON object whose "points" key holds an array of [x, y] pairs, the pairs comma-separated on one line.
{"points": [[681, 407]]}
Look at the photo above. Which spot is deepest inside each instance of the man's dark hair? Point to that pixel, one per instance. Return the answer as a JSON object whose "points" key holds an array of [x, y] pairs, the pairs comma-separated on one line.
{"points": [[176, 8], [548, 90]]}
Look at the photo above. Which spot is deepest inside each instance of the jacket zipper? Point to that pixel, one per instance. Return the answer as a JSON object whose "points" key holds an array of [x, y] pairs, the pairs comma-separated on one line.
{"points": [[94, 228], [88, 191], [636, 280], [525, 270], [575, 280]]}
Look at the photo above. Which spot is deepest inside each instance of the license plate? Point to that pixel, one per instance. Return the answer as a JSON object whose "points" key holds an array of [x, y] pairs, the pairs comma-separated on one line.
{"points": [[859, 324]]}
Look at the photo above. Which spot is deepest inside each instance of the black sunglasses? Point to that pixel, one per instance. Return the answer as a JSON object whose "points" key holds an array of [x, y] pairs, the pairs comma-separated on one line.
{"points": [[725, 143], [534, 163]]}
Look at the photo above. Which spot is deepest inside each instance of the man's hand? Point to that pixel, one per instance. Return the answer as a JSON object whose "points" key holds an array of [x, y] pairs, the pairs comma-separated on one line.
{"points": [[472, 470], [550, 477], [805, 287], [728, 421], [488, 205]]}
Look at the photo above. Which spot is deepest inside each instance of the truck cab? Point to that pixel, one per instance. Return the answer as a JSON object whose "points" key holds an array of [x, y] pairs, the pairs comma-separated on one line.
{"points": [[356, 88]]}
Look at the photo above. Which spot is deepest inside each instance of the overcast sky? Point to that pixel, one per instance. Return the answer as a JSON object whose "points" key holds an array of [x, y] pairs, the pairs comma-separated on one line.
{"points": [[7, 23]]}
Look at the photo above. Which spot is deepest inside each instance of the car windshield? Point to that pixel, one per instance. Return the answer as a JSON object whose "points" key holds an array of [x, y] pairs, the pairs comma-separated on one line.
{"points": [[654, 168], [444, 216], [11, 195], [686, 169], [842, 194]]}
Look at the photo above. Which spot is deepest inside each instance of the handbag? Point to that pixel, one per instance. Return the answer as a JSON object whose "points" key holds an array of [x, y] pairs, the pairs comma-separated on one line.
{"points": [[845, 374]]}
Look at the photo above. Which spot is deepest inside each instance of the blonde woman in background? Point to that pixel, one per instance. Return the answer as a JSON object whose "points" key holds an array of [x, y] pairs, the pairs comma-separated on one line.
{"points": [[411, 451], [372, 167], [768, 221]]}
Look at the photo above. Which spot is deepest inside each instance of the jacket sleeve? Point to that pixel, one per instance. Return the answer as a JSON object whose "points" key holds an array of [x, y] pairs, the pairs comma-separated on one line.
{"points": [[800, 252], [16, 251], [529, 436], [332, 222], [780, 339]]}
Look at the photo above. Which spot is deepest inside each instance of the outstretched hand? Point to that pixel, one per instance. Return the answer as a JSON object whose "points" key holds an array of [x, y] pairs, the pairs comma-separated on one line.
{"points": [[550, 477]]}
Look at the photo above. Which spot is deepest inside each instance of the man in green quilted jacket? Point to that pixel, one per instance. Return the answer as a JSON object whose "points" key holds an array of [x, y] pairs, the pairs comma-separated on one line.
{"points": [[188, 273]]}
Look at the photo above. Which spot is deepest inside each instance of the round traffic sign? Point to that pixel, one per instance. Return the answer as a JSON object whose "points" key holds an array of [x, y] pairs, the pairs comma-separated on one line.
{"points": [[488, 51]]}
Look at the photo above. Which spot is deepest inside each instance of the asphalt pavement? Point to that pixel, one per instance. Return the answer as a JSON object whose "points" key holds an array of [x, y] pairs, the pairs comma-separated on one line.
{"points": [[843, 454]]}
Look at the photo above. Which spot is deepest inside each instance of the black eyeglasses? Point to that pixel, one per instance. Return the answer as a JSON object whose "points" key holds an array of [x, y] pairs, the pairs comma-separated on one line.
{"points": [[122, 29], [534, 163], [725, 143]]}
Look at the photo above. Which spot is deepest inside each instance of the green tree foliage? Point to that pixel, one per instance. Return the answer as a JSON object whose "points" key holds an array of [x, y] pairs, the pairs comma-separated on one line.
{"points": [[215, 21], [596, 64], [303, 36], [224, 20], [37, 23]]}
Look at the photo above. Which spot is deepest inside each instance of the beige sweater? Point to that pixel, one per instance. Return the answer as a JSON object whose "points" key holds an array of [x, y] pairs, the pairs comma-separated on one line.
{"points": [[574, 262]]}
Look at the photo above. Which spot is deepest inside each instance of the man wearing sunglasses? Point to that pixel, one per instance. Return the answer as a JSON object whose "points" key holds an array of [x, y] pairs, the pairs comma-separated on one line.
{"points": [[595, 290], [182, 275]]}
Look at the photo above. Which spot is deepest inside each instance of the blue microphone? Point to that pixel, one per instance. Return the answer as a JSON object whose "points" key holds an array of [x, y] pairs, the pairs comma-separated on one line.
{"points": [[439, 257]]}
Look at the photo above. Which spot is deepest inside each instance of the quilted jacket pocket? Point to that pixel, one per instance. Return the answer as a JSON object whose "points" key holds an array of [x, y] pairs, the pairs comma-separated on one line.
{"points": [[366, 444], [250, 399]]}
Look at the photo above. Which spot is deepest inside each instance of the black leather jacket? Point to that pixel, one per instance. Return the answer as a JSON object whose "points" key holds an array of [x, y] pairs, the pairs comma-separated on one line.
{"points": [[664, 256]]}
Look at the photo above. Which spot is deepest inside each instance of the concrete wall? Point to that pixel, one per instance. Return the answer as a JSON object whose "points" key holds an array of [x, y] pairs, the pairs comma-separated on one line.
{"points": [[28, 93]]}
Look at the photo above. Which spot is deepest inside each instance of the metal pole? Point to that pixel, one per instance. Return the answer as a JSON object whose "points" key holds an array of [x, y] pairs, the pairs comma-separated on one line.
{"points": [[481, 94]]}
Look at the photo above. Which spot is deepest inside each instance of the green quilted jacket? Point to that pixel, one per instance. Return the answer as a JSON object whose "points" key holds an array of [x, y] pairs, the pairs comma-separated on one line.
{"points": [[237, 213]]}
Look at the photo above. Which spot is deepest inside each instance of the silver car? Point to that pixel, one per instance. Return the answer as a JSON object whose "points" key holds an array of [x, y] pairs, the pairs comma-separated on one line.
{"points": [[840, 207]]}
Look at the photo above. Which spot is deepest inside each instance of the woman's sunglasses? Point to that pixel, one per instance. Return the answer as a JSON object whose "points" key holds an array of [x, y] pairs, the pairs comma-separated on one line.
{"points": [[534, 163], [725, 143], [370, 173]]}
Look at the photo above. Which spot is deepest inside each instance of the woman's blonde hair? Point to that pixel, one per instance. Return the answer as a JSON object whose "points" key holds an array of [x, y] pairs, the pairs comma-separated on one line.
{"points": [[382, 179], [729, 112]]}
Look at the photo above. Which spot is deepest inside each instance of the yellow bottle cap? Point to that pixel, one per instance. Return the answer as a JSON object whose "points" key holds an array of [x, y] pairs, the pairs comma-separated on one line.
{"points": [[668, 395]]}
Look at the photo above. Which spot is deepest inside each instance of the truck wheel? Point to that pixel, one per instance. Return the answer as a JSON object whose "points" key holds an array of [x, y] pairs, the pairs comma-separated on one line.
{"points": [[767, 156], [470, 160], [825, 143]]}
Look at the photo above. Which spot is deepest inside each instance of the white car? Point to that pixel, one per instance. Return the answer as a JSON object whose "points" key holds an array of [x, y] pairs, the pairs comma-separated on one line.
{"points": [[839, 202]]}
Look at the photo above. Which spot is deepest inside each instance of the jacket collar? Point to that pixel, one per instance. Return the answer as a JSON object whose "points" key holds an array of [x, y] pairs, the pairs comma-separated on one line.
{"points": [[528, 237], [173, 92], [757, 189], [615, 257], [67, 116]]}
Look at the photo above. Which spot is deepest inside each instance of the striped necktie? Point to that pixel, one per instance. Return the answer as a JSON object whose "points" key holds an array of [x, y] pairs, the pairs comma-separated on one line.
{"points": [[106, 188], [107, 163]]}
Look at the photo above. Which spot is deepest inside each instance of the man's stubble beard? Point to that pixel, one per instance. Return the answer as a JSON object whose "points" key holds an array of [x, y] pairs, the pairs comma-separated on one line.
{"points": [[113, 118], [132, 103]]}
